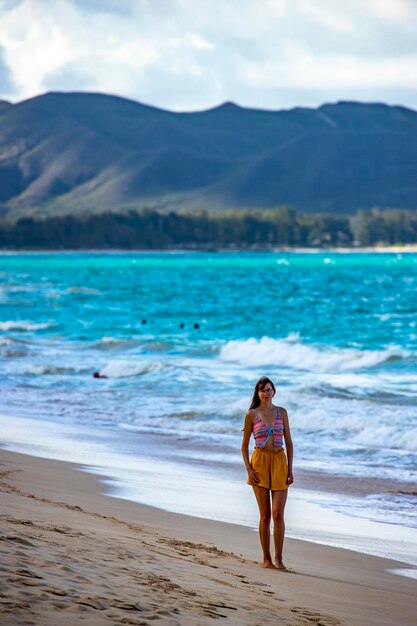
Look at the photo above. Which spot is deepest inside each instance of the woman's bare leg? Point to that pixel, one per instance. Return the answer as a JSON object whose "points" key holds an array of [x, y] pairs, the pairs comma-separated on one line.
{"points": [[279, 498], [264, 504]]}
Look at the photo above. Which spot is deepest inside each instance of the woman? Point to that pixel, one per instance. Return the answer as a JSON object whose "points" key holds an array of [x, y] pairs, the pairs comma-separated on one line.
{"points": [[269, 473]]}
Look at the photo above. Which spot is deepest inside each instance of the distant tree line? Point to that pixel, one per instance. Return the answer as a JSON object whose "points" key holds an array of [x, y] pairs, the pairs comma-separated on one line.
{"points": [[151, 229], [388, 226]]}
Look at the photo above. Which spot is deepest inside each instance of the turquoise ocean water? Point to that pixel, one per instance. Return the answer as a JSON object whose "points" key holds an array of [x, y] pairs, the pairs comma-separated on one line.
{"points": [[335, 331]]}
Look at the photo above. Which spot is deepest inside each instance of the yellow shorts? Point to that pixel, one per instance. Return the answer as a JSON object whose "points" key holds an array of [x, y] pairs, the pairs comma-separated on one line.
{"points": [[271, 468]]}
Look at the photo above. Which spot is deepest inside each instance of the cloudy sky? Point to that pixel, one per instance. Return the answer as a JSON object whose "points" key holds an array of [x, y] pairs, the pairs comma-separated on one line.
{"points": [[195, 54]]}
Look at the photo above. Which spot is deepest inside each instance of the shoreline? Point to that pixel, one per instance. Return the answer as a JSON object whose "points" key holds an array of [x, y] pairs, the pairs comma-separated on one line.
{"points": [[321, 508], [70, 549]]}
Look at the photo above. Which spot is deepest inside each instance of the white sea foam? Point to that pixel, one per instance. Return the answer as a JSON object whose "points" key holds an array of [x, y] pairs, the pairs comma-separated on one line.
{"points": [[12, 348], [110, 343], [109, 340], [52, 370], [391, 508], [356, 423], [124, 368], [407, 572], [22, 325], [291, 353], [86, 290], [387, 436], [9, 341]]}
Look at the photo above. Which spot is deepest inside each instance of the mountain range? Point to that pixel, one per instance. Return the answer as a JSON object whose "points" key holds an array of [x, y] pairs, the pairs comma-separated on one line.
{"points": [[72, 153]]}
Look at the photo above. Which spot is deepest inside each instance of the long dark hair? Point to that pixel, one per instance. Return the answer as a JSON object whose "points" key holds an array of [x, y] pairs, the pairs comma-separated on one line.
{"points": [[262, 382]]}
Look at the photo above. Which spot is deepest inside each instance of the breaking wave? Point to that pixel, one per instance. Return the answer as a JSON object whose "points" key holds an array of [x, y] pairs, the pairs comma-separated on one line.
{"points": [[22, 325], [122, 369], [290, 352]]}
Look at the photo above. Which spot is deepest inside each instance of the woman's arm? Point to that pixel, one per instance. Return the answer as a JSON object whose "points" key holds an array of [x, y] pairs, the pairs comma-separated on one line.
{"points": [[288, 446], [247, 431]]}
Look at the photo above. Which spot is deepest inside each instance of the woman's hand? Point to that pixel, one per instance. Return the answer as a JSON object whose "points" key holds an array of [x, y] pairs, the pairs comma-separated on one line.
{"points": [[290, 478], [253, 476]]}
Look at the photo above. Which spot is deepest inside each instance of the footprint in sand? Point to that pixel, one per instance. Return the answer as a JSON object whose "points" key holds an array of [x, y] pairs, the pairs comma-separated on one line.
{"points": [[315, 618], [132, 622], [64, 530], [56, 592], [29, 582], [26, 572], [127, 606], [59, 605], [93, 602], [65, 568], [16, 539], [71, 507], [125, 555], [81, 579]]}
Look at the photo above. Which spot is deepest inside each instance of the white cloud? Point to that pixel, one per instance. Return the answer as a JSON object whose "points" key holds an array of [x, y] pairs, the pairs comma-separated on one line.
{"points": [[338, 22], [124, 7], [188, 54], [35, 42], [300, 68], [6, 79], [199, 42], [389, 10]]}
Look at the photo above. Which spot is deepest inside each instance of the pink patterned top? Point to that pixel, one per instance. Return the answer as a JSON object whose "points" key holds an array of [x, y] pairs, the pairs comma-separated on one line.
{"points": [[262, 431]]}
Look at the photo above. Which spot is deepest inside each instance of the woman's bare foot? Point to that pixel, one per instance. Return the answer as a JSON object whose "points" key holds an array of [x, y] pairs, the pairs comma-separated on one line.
{"points": [[267, 564], [280, 565]]}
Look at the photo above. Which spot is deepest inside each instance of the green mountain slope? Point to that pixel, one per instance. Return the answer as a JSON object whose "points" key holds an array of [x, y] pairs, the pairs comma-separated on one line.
{"points": [[64, 153]]}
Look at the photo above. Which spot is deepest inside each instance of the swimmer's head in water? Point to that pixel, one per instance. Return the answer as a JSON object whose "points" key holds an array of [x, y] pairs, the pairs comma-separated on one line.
{"points": [[98, 375]]}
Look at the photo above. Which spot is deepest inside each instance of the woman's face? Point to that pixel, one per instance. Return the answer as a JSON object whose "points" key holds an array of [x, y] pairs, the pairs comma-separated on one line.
{"points": [[266, 393]]}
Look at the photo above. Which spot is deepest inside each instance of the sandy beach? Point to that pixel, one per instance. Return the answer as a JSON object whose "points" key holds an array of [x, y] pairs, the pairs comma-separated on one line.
{"points": [[72, 554]]}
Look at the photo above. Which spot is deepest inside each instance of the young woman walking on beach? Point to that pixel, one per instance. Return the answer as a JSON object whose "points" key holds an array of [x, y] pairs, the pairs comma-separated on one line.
{"points": [[269, 472]]}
